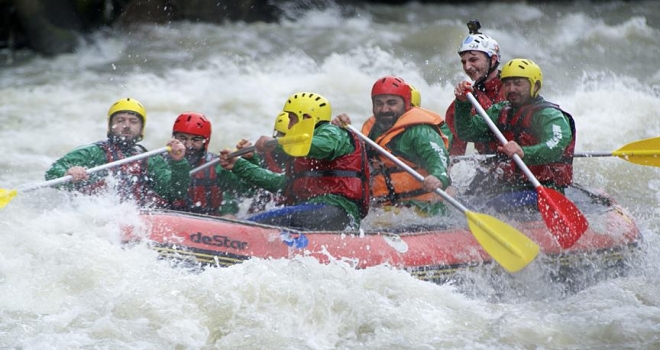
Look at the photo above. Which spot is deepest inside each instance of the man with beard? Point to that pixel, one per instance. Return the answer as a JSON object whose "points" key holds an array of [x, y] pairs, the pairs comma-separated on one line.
{"points": [[150, 182], [414, 136], [480, 57], [213, 190], [538, 131]]}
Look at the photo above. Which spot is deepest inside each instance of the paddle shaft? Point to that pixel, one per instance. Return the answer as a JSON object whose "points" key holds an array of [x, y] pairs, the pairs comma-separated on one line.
{"points": [[240, 152], [576, 155], [67, 178], [523, 167], [405, 167]]}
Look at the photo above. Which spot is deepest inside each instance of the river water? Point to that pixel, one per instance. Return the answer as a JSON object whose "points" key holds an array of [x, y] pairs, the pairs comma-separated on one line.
{"points": [[67, 282]]}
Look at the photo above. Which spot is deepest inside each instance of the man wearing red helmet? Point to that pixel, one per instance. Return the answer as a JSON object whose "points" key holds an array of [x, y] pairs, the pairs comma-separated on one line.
{"points": [[149, 182], [213, 190], [414, 136]]}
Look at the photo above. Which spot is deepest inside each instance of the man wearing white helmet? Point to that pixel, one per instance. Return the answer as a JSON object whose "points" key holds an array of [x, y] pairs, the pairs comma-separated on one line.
{"points": [[480, 57]]}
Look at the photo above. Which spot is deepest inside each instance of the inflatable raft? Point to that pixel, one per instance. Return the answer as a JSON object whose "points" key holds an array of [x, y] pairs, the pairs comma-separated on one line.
{"points": [[429, 253]]}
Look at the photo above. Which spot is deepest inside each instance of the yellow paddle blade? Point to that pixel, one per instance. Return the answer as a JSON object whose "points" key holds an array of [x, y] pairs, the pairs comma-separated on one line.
{"points": [[643, 152], [6, 196], [505, 244], [298, 140]]}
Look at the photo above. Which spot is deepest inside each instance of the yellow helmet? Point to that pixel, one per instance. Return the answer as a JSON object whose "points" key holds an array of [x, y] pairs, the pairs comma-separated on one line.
{"points": [[282, 123], [129, 105], [313, 104], [524, 68], [415, 97]]}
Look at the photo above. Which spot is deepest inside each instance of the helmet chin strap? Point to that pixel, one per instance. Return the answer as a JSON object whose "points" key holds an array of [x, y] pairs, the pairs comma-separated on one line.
{"points": [[480, 84]]}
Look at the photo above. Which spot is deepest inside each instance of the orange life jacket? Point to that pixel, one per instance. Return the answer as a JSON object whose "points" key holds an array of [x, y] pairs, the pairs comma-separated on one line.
{"points": [[390, 184]]}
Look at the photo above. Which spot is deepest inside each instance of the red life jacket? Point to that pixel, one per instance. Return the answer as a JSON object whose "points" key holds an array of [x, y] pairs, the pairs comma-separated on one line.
{"points": [[517, 127], [204, 194], [133, 178], [275, 160], [347, 176], [391, 184], [490, 94]]}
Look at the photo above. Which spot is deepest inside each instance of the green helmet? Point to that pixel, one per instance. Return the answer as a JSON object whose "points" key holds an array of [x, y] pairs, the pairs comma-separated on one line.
{"points": [[523, 68], [309, 103]]}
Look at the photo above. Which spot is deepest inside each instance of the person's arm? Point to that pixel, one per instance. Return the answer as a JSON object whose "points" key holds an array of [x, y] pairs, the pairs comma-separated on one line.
{"points": [[258, 176], [87, 156], [229, 205], [473, 128], [84, 157], [553, 131], [330, 142], [171, 178], [422, 145]]}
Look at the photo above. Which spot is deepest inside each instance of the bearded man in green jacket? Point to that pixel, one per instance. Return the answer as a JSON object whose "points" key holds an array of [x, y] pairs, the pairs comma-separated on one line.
{"points": [[414, 135], [151, 182], [538, 131], [328, 189]]}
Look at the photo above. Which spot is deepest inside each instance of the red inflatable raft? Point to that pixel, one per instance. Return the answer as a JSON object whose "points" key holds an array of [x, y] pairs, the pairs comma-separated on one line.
{"points": [[429, 253]]}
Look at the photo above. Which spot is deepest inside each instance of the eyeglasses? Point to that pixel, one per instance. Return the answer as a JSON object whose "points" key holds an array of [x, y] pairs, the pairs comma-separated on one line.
{"points": [[194, 139]]}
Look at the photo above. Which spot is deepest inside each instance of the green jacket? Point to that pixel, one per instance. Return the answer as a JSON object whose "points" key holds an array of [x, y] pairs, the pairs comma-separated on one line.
{"points": [[422, 145], [328, 142], [232, 188], [546, 125], [170, 179]]}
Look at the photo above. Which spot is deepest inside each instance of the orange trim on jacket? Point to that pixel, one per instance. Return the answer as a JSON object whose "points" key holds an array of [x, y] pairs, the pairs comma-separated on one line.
{"points": [[390, 184]]}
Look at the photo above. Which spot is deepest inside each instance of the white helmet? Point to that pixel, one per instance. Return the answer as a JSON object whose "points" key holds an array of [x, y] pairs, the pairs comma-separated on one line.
{"points": [[480, 42]]}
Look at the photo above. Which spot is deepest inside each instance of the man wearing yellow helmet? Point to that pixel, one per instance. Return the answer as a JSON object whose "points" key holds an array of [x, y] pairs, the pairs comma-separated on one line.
{"points": [[538, 131], [480, 56], [325, 190], [149, 182]]}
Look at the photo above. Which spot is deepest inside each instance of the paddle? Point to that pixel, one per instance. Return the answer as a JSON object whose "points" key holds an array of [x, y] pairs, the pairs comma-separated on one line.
{"points": [[295, 143], [506, 245], [644, 152], [561, 216], [7, 195]]}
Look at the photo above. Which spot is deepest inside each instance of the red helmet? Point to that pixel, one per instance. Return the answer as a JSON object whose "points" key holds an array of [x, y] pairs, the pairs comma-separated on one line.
{"points": [[391, 85], [193, 123]]}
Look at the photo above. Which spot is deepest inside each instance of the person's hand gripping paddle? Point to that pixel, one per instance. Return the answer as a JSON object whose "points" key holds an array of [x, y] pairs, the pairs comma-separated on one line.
{"points": [[565, 221]]}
